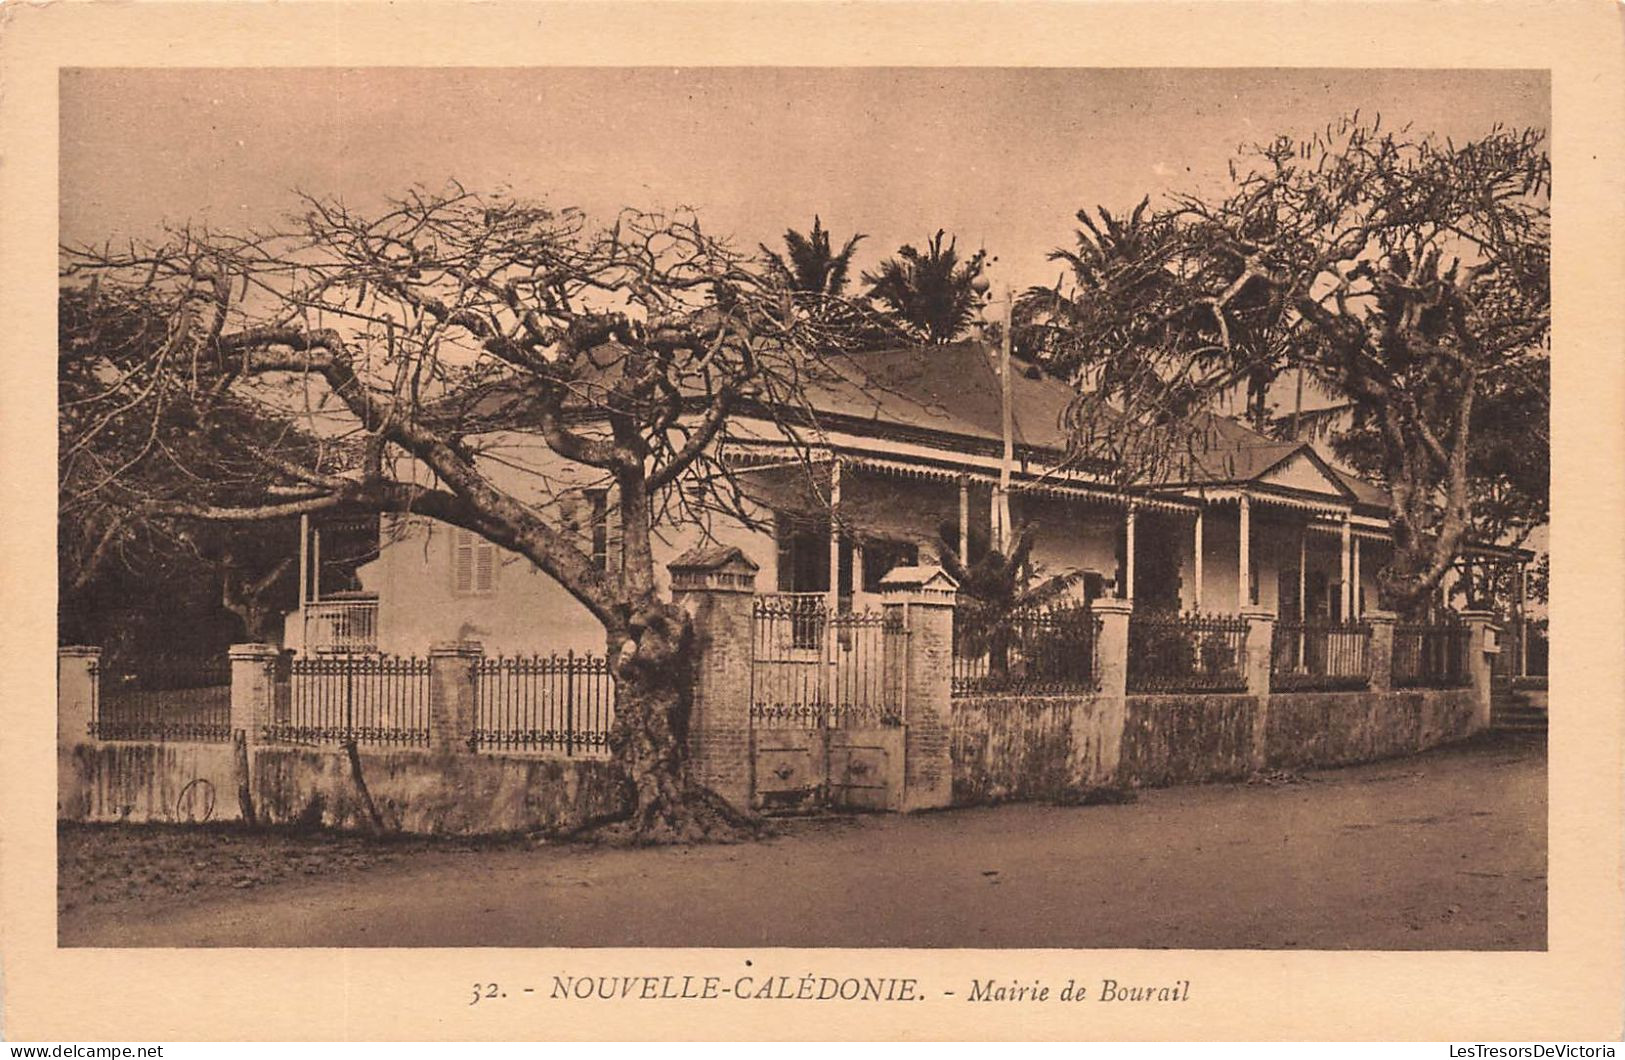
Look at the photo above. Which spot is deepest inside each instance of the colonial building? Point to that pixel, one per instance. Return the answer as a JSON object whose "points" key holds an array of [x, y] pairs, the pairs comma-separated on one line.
{"points": [[904, 455]]}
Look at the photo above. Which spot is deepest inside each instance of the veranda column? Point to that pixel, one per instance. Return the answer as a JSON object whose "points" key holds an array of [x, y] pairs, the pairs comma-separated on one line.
{"points": [[833, 597], [1196, 590], [1128, 554], [1244, 552], [78, 669], [964, 521], [925, 597], [1346, 604], [717, 587], [1522, 668], [1358, 608], [1303, 586]]}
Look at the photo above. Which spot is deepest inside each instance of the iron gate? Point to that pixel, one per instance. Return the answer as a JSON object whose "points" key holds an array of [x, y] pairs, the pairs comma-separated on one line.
{"points": [[828, 705]]}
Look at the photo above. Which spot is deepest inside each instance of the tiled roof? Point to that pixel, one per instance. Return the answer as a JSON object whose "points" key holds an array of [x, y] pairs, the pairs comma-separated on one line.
{"points": [[953, 391]]}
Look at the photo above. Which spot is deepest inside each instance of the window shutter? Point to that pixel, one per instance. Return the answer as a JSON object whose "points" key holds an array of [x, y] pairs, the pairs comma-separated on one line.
{"points": [[485, 566], [462, 562]]}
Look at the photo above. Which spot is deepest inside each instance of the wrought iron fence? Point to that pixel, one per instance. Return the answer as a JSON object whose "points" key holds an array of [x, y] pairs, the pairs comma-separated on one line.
{"points": [[544, 703], [1320, 656], [1173, 652], [1430, 655], [164, 698], [812, 669], [1029, 652], [365, 698]]}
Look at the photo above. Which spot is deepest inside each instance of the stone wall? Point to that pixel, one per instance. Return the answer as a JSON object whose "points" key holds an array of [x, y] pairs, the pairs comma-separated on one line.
{"points": [[1190, 739], [1043, 747], [415, 791], [146, 782], [1027, 747], [1308, 729], [424, 793]]}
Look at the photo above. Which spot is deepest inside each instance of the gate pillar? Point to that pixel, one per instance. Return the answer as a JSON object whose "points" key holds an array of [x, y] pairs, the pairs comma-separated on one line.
{"points": [[924, 596], [716, 585]]}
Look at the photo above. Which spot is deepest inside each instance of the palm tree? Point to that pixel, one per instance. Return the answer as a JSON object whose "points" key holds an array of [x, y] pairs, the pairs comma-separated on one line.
{"points": [[810, 264], [932, 295], [996, 588]]}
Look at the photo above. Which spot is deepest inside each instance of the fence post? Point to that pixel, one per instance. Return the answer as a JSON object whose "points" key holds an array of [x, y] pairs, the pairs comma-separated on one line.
{"points": [[1381, 650], [1260, 647], [78, 673], [453, 674], [1111, 655], [925, 596], [1482, 646], [1260, 655], [1112, 651], [716, 585], [253, 688]]}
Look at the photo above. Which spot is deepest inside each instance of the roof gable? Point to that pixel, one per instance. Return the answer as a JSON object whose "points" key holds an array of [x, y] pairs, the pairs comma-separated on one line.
{"points": [[1304, 471]]}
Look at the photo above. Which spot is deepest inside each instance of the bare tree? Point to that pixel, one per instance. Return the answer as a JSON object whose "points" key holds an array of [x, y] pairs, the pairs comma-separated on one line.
{"points": [[408, 345], [1407, 274]]}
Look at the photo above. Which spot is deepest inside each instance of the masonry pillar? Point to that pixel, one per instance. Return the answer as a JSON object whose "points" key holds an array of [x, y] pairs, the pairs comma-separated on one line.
{"points": [[1381, 658], [253, 689], [1256, 667], [924, 596], [453, 685], [1111, 704], [717, 587], [78, 676], [1483, 644]]}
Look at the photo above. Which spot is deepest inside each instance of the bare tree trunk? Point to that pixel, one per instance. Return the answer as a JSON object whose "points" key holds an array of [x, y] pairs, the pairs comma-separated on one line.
{"points": [[653, 666]]}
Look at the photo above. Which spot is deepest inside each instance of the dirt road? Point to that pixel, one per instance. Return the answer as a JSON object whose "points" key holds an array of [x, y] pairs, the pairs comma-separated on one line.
{"points": [[1443, 851]]}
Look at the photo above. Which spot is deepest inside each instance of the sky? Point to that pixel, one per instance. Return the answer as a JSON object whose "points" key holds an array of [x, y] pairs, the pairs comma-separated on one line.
{"points": [[1002, 158]]}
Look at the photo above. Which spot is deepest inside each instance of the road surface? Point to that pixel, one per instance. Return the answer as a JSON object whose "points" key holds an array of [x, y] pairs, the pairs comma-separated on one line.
{"points": [[1442, 851]]}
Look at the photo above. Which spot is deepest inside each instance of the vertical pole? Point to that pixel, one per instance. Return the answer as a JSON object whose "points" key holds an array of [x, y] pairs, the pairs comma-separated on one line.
{"points": [[1346, 604], [833, 597], [316, 568], [1196, 594], [1128, 554], [1523, 626], [857, 573], [304, 559], [964, 521], [1359, 608], [1006, 425], [1303, 585], [1244, 552]]}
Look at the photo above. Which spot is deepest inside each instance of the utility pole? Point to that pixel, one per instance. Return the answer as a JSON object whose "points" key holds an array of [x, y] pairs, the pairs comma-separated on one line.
{"points": [[1006, 424]]}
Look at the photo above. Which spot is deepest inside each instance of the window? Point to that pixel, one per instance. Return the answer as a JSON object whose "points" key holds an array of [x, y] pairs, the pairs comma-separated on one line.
{"points": [[803, 554], [880, 556], [599, 502], [473, 563]]}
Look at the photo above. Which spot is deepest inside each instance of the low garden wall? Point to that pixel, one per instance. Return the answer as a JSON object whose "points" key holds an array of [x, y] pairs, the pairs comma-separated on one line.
{"points": [[1187, 739], [144, 782], [1045, 747], [414, 791], [1032, 747]]}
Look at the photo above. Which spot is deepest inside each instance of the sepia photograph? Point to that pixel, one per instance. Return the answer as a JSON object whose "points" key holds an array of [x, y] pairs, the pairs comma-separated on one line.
{"points": [[804, 506]]}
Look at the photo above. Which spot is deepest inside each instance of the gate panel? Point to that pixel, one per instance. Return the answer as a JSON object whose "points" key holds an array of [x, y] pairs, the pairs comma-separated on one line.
{"points": [[828, 701], [866, 768], [789, 768]]}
